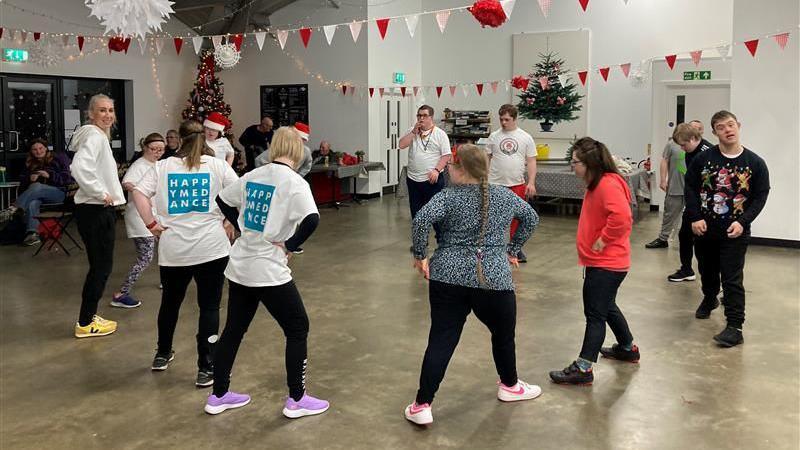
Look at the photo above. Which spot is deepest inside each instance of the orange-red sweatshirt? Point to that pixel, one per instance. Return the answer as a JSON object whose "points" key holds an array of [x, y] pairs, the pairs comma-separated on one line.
{"points": [[606, 214]]}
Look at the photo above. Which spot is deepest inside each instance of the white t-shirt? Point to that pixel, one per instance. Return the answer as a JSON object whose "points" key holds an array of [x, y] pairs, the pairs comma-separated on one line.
{"points": [[509, 150], [222, 147], [425, 152], [272, 201], [134, 224], [185, 202]]}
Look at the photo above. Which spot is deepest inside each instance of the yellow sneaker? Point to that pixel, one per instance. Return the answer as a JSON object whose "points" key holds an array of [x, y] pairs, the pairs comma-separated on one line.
{"points": [[98, 327]]}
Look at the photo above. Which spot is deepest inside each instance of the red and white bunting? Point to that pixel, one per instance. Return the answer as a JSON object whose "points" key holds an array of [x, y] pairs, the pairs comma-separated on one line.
{"points": [[64, 40], [416, 90], [260, 39], [1, 32], [584, 4], [381, 91], [178, 45], [562, 80], [383, 25], [24, 36], [142, 46], [438, 91], [696, 56], [355, 30], [494, 87], [81, 40], [411, 24], [752, 46], [371, 91], [159, 45], [353, 91], [402, 91], [37, 35], [626, 69], [544, 7], [329, 31], [344, 89], [479, 88], [582, 76], [197, 43], [724, 50], [544, 82], [452, 91], [604, 73], [237, 40], [782, 39], [670, 59], [441, 19], [305, 36], [216, 41], [508, 7], [282, 36]]}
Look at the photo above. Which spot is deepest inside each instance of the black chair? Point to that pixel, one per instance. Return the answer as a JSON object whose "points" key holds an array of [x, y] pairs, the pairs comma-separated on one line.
{"points": [[56, 218]]}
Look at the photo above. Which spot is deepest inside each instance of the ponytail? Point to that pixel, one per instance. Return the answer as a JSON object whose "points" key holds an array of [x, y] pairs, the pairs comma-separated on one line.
{"points": [[484, 190]]}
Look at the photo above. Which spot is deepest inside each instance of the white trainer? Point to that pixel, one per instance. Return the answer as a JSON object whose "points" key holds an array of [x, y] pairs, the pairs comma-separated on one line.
{"points": [[518, 392], [419, 414]]}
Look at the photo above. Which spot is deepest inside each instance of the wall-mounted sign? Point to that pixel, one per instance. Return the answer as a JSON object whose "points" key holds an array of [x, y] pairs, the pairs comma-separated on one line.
{"points": [[15, 55], [697, 75], [399, 78]]}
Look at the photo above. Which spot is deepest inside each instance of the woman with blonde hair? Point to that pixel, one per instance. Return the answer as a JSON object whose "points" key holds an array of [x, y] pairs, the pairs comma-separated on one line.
{"points": [[470, 271], [275, 211], [194, 240]]}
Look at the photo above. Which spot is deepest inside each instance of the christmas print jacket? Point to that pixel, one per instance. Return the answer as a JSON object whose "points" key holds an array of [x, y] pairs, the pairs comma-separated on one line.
{"points": [[721, 190]]}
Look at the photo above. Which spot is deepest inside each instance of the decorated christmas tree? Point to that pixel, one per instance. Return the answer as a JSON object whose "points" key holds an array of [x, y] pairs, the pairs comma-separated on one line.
{"points": [[550, 96], [207, 95]]}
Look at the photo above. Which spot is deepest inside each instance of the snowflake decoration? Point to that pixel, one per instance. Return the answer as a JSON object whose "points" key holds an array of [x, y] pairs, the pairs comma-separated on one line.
{"points": [[226, 56], [640, 76], [131, 17]]}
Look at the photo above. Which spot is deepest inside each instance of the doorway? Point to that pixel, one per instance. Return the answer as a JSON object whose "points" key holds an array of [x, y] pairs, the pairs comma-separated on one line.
{"points": [[687, 103], [395, 120]]}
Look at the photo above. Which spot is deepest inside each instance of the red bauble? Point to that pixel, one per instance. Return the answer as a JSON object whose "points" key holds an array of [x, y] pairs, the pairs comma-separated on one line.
{"points": [[119, 44], [488, 12], [520, 82]]}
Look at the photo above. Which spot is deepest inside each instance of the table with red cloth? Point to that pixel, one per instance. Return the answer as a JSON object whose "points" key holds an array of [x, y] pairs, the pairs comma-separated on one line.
{"points": [[326, 180]]}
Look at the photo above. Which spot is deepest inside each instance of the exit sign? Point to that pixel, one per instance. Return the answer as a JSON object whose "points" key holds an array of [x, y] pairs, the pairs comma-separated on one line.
{"points": [[399, 78], [15, 55], [697, 75]]}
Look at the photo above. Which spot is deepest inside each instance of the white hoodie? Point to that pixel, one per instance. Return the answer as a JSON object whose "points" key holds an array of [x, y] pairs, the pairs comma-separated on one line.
{"points": [[94, 167]]}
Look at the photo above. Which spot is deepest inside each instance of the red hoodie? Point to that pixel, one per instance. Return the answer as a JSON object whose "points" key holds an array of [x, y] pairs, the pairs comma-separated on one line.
{"points": [[606, 214]]}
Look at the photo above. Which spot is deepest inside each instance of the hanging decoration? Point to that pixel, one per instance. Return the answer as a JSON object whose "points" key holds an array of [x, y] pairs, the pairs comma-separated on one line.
{"points": [[724, 50], [479, 88], [441, 19], [584, 4], [383, 25], [45, 55], [282, 36], [604, 73], [197, 43], [544, 7], [37, 35], [371, 91], [260, 39], [752, 46], [582, 76], [119, 44], [411, 23], [670, 59], [452, 91], [439, 91], [131, 17], [305, 36], [159, 45], [80, 43], [355, 30], [544, 80], [216, 41], [508, 6], [696, 56], [494, 87], [782, 39], [178, 45], [416, 90], [236, 40], [540, 100], [488, 13], [626, 69], [520, 82], [381, 91], [329, 31], [641, 75], [227, 56]]}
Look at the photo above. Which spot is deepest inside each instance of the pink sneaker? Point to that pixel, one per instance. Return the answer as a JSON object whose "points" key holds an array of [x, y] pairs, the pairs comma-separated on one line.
{"points": [[306, 406], [518, 392], [419, 414]]}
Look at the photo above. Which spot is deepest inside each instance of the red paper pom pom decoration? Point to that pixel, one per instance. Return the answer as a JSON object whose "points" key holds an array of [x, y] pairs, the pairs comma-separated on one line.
{"points": [[520, 82], [488, 12]]}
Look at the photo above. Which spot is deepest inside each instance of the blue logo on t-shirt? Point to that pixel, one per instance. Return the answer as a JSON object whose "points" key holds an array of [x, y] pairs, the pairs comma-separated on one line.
{"points": [[188, 192], [256, 208]]}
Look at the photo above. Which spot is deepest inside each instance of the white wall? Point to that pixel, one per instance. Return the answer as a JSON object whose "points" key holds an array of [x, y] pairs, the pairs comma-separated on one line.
{"points": [[765, 96], [175, 72]]}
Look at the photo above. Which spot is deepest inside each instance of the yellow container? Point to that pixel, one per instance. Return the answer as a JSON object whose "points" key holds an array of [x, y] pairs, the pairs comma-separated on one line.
{"points": [[542, 151]]}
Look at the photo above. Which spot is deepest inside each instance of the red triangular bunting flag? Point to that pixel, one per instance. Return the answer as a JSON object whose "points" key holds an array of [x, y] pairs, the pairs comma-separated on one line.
{"points": [[782, 39], [178, 45], [752, 46], [479, 86], [37, 35], [126, 44], [584, 4], [1, 32], [604, 72], [353, 90], [380, 91], [671, 60], [344, 89], [403, 91], [626, 69], [582, 76], [80, 43], [452, 91], [237, 41], [383, 25], [371, 91], [438, 91], [305, 35], [696, 56], [416, 89]]}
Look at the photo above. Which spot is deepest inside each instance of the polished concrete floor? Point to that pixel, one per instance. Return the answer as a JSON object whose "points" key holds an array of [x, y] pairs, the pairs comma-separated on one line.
{"points": [[369, 323]]}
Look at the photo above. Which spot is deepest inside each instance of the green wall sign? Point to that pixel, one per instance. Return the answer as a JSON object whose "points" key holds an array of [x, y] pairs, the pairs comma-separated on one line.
{"points": [[697, 75], [399, 78], [15, 55]]}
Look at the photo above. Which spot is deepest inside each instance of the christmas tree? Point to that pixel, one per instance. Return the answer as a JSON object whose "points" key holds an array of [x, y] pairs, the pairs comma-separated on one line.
{"points": [[208, 92], [550, 97]]}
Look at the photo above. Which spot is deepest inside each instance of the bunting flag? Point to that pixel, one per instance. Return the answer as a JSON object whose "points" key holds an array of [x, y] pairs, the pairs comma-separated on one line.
{"points": [[402, 91], [494, 87], [344, 89], [508, 6], [197, 43], [507, 84], [438, 91], [216, 41], [671, 61], [260, 39], [383, 25], [24, 36], [142, 46], [416, 90], [178, 45], [696, 56], [237, 41], [371, 91], [80, 43], [752, 46], [329, 31], [544, 82], [159, 45], [452, 91], [380, 91], [355, 30], [724, 50], [782, 39], [64, 39], [411, 24], [282, 36], [544, 6], [479, 87], [584, 4], [626, 69], [604, 73], [352, 91], [37, 35], [582, 76], [562, 80], [305, 36], [441, 19], [1, 32], [11, 34]]}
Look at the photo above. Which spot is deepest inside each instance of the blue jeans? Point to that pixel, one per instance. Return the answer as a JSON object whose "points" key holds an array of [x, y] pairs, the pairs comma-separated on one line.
{"points": [[33, 198]]}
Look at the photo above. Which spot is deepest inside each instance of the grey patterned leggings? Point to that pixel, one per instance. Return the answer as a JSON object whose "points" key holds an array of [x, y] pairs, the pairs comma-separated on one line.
{"points": [[144, 255]]}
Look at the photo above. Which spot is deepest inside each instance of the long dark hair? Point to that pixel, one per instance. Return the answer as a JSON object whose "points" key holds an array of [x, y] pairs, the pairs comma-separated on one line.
{"points": [[594, 155], [193, 144], [34, 164], [474, 161]]}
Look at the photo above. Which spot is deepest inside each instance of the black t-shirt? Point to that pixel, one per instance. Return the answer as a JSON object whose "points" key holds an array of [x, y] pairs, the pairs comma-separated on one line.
{"points": [[701, 147], [721, 190], [253, 137], [168, 152]]}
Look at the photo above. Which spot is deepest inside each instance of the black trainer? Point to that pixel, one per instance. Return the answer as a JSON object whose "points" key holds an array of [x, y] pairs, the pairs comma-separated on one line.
{"points": [[617, 352], [729, 337], [521, 257], [205, 378], [572, 375], [161, 362], [657, 243], [682, 275], [705, 308]]}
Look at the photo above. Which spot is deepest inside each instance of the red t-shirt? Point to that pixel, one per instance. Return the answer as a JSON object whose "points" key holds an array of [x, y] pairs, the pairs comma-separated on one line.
{"points": [[606, 214]]}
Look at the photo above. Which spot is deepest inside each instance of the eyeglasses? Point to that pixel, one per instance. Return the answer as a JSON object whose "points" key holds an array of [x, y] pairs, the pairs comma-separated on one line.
{"points": [[420, 116], [574, 163]]}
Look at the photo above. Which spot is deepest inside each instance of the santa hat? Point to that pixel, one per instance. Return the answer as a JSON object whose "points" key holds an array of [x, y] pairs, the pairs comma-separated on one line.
{"points": [[216, 121], [303, 130]]}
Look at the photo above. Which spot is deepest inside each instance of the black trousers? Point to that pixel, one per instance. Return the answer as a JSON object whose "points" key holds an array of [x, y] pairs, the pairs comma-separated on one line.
{"points": [[600, 308], [96, 225], [686, 242], [209, 279], [286, 306], [450, 306], [420, 193], [721, 260]]}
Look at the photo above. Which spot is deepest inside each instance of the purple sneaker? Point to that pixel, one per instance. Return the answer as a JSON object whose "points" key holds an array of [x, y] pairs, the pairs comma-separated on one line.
{"points": [[230, 400], [307, 406]]}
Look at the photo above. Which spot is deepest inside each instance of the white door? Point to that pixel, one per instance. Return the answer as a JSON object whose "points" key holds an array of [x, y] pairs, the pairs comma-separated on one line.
{"points": [[694, 102], [394, 123]]}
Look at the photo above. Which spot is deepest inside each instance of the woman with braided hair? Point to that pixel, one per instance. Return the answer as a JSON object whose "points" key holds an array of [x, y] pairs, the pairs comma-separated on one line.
{"points": [[470, 271]]}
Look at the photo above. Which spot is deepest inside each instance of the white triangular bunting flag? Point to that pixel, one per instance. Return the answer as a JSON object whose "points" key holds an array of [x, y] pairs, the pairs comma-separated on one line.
{"points": [[159, 46], [65, 40], [441, 19], [465, 89], [355, 30], [696, 56], [24, 36], [544, 6], [507, 84], [508, 6], [282, 36], [724, 50], [216, 40], [411, 23], [562, 80], [197, 42], [260, 39], [329, 30], [142, 46]]}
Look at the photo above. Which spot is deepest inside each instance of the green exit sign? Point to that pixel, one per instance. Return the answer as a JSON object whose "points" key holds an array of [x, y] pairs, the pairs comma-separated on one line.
{"points": [[15, 55], [697, 75], [399, 78]]}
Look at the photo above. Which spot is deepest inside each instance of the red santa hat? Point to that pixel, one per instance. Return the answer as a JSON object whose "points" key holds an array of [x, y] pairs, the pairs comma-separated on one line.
{"points": [[216, 121], [303, 130]]}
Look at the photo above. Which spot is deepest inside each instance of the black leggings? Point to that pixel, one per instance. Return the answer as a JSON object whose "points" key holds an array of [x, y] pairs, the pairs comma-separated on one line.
{"points": [[286, 306], [209, 278], [600, 288], [450, 306], [96, 225]]}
